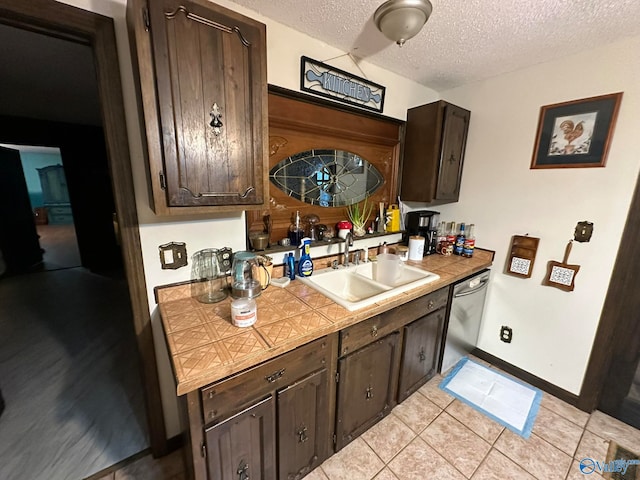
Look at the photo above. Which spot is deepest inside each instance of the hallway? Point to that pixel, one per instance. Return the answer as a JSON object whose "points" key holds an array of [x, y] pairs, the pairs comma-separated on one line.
{"points": [[69, 375]]}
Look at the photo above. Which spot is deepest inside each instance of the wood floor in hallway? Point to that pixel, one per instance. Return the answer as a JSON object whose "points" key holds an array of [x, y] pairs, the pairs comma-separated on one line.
{"points": [[69, 376]]}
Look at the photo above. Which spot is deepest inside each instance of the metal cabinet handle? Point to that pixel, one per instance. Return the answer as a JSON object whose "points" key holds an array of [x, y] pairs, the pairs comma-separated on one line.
{"points": [[215, 122], [431, 304], [302, 435], [274, 376], [220, 194], [243, 470], [369, 393], [422, 356], [483, 284], [374, 331]]}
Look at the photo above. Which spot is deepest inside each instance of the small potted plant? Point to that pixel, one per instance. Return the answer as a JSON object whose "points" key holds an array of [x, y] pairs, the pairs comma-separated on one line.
{"points": [[359, 214]]}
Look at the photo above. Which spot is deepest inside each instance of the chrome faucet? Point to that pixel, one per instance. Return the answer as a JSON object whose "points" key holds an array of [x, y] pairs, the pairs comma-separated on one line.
{"points": [[348, 242]]}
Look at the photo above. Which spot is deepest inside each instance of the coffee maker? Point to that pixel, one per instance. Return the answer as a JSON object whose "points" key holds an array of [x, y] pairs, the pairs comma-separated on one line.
{"points": [[423, 223]]}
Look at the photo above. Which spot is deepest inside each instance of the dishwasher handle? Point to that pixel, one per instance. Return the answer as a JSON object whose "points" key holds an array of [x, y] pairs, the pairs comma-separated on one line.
{"points": [[483, 284]]}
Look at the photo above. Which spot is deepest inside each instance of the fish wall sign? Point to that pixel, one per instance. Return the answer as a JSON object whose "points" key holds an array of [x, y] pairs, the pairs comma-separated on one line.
{"points": [[327, 81]]}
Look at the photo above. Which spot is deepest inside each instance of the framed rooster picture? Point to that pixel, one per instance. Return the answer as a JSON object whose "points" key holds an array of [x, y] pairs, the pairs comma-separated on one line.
{"points": [[576, 133]]}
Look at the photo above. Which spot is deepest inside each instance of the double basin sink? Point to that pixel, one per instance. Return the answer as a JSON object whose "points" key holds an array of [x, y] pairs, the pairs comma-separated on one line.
{"points": [[356, 286]]}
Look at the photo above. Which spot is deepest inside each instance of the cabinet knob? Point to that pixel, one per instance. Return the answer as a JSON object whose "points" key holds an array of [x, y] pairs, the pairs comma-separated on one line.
{"points": [[374, 331], [422, 356], [369, 393], [431, 304]]}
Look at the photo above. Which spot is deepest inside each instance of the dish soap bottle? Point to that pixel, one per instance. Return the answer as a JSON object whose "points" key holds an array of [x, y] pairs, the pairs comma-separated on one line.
{"points": [[305, 265], [291, 266]]}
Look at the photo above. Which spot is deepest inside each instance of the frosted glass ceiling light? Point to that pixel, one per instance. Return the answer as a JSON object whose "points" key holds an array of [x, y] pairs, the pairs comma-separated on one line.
{"points": [[400, 20]]}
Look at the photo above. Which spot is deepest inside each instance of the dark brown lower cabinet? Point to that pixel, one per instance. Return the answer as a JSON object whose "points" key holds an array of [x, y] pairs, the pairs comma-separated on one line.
{"points": [[243, 446], [272, 421], [282, 418], [303, 429], [422, 341], [366, 388]]}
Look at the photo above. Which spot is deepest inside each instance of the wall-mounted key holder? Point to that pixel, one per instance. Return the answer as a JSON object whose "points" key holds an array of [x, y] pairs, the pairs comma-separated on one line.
{"points": [[522, 256]]}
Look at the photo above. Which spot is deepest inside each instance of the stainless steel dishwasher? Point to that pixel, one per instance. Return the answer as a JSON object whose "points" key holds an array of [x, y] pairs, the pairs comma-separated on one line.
{"points": [[465, 317]]}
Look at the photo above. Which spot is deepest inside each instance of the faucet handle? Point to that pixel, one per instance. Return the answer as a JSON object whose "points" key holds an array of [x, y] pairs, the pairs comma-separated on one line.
{"points": [[356, 257]]}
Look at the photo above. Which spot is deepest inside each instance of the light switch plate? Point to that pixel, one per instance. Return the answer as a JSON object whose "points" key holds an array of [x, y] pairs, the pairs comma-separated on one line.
{"points": [[583, 231], [173, 255]]}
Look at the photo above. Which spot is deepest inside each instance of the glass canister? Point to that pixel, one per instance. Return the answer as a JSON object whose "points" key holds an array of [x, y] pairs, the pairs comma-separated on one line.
{"points": [[208, 282]]}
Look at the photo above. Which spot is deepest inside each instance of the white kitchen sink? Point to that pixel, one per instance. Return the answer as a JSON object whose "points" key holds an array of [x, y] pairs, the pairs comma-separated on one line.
{"points": [[354, 287]]}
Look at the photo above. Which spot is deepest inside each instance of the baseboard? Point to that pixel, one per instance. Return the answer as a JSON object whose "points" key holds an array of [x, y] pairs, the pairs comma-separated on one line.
{"points": [[525, 376]]}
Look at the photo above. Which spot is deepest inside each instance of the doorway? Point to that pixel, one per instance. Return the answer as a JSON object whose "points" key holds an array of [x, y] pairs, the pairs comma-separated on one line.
{"points": [[612, 380], [67, 334], [57, 21], [50, 205]]}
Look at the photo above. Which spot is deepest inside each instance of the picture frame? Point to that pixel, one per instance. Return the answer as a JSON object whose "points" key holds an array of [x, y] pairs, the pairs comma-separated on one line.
{"points": [[576, 134]]}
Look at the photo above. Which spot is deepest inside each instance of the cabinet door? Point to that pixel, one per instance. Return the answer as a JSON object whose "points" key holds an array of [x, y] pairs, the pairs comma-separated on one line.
{"points": [[422, 340], [210, 66], [366, 388], [303, 427], [243, 446], [454, 139], [434, 145]]}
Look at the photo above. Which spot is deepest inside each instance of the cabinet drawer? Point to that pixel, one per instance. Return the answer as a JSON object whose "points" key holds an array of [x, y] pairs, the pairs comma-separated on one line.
{"points": [[59, 210], [229, 396], [360, 334]]}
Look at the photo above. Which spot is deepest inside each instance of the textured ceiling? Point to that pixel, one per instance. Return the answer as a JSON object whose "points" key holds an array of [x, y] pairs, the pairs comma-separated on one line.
{"points": [[464, 40]]}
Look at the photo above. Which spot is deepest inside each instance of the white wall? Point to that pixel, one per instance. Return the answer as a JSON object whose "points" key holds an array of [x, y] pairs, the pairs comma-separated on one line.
{"points": [[284, 49], [553, 329]]}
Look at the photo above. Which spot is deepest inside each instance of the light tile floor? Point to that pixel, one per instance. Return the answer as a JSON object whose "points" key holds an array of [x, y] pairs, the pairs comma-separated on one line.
{"points": [[433, 435]]}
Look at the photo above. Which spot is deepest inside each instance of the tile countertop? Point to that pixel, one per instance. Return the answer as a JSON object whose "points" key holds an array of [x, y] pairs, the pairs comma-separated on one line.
{"points": [[205, 346]]}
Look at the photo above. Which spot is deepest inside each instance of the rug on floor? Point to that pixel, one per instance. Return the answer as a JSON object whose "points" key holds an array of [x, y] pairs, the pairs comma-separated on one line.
{"points": [[507, 401]]}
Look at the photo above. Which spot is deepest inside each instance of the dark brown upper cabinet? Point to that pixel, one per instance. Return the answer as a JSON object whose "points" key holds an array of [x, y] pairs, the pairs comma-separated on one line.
{"points": [[434, 144], [202, 88]]}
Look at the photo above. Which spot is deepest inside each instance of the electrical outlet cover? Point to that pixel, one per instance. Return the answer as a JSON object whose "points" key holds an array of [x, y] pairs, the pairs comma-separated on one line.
{"points": [[506, 334]]}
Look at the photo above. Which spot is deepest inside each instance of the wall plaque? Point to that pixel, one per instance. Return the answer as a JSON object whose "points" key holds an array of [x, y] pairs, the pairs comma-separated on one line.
{"points": [[327, 81]]}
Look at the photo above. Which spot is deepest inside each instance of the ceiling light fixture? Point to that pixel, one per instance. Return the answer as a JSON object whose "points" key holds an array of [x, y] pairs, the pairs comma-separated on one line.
{"points": [[400, 20]]}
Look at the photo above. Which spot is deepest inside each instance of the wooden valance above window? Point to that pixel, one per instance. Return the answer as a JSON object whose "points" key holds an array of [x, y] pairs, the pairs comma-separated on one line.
{"points": [[299, 123]]}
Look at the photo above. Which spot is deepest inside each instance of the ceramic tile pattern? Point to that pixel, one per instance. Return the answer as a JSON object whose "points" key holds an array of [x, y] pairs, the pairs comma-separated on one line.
{"points": [[204, 346], [422, 439]]}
